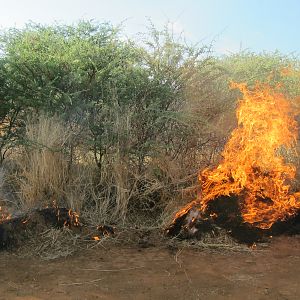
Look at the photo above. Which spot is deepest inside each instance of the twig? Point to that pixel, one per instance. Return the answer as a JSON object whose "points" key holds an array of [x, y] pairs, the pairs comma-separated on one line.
{"points": [[177, 256], [112, 270], [81, 283]]}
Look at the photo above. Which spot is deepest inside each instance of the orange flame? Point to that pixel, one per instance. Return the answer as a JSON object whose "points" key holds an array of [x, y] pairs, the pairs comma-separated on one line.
{"points": [[253, 165], [4, 215]]}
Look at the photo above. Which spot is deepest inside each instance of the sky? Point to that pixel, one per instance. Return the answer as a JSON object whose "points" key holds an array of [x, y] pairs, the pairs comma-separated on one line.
{"points": [[232, 25]]}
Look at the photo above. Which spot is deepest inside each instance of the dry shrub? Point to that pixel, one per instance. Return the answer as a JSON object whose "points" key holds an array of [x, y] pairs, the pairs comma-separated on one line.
{"points": [[119, 192], [124, 195], [120, 180], [108, 193], [48, 173]]}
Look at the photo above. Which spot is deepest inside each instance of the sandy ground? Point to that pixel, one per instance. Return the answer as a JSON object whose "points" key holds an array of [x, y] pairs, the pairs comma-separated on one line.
{"points": [[120, 272]]}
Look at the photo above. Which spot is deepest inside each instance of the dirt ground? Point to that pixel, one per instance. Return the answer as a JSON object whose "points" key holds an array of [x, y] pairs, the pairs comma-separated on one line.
{"points": [[132, 272]]}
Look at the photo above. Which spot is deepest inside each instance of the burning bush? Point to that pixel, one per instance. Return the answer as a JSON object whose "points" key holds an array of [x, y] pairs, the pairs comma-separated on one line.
{"points": [[253, 170]]}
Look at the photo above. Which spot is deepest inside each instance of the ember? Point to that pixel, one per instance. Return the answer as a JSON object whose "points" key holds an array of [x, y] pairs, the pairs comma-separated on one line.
{"points": [[4, 214], [253, 174]]}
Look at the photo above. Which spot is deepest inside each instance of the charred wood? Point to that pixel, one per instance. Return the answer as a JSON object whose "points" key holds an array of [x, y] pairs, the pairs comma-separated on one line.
{"points": [[225, 213], [15, 230]]}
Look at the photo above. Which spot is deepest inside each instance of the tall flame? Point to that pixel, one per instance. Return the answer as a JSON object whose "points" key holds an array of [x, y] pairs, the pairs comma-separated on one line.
{"points": [[253, 166]]}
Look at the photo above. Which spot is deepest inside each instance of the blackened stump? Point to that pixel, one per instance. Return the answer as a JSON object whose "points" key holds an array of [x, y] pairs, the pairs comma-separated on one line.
{"points": [[225, 212]]}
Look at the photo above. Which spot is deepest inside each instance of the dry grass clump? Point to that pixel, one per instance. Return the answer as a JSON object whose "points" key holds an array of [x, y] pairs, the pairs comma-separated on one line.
{"points": [[45, 171], [54, 243], [43, 167], [210, 241], [51, 244]]}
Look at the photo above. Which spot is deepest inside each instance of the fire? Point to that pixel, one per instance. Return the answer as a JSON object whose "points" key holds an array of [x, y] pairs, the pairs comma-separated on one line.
{"points": [[253, 165], [74, 217], [4, 215], [72, 220]]}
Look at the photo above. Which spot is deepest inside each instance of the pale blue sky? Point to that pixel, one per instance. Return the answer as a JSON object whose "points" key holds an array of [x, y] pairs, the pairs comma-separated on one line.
{"points": [[253, 24]]}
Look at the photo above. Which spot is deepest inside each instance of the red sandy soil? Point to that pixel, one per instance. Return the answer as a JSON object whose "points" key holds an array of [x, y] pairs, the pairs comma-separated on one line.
{"points": [[123, 272]]}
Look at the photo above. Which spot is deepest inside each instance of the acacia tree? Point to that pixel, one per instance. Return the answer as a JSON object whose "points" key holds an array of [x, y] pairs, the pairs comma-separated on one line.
{"points": [[129, 97], [73, 71]]}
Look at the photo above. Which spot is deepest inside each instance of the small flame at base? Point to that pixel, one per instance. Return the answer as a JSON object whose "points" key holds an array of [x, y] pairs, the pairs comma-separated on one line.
{"points": [[4, 215]]}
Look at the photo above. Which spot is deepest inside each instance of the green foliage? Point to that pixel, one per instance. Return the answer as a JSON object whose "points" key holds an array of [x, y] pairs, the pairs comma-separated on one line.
{"points": [[251, 67], [55, 68], [71, 71]]}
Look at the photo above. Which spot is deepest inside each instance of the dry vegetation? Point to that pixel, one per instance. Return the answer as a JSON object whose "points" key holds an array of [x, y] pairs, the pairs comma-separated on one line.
{"points": [[112, 129]]}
